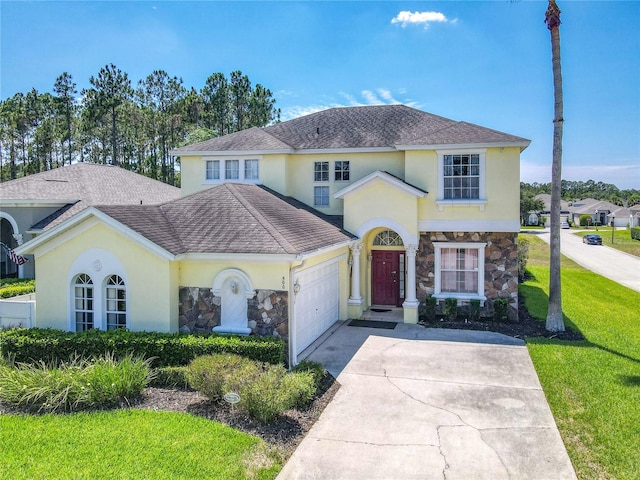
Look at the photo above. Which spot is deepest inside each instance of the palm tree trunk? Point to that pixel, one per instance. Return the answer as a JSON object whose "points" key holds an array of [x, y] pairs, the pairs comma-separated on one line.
{"points": [[555, 322]]}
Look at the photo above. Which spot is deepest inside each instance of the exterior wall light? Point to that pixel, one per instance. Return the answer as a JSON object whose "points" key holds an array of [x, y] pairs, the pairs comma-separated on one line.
{"points": [[296, 287]]}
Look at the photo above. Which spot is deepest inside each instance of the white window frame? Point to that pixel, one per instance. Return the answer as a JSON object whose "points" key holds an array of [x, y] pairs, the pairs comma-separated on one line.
{"points": [[117, 311], [212, 170], [86, 309], [316, 196], [232, 169], [248, 170], [463, 202], [319, 171], [479, 294], [342, 171]]}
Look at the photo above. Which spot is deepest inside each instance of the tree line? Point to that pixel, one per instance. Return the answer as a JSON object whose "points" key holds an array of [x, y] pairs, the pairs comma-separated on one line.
{"points": [[578, 190], [119, 123]]}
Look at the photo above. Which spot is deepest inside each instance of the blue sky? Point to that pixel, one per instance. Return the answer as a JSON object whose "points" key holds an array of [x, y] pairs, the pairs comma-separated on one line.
{"points": [[486, 62]]}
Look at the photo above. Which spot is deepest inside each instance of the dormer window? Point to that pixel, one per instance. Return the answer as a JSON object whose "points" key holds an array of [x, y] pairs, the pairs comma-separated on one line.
{"points": [[232, 169], [213, 170]]}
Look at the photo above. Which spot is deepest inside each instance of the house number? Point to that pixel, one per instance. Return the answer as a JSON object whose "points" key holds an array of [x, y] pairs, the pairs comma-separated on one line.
{"points": [[283, 283]]}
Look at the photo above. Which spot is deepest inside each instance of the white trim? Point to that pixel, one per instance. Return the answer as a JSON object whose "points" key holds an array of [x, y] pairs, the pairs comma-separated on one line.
{"points": [[437, 293], [512, 226], [321, 251], [383, 177], [17, 202], [449, 202], [407, 238], [237, 257], [458, 146], [33, 244], [16, 234], [221, 159]]}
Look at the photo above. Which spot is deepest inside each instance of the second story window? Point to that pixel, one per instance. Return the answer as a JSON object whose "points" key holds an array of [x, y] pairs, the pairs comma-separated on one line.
{"points": [[341, 171], [213, 170], [231, 169], [251, 169], [321, 171], [461, 176], [320, 196]]}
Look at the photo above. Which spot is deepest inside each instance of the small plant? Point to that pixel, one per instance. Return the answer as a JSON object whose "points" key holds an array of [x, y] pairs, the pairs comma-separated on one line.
{"points": [[474, 310], [75, 385], [430, 303], [316, 369], [215, 375], [170, 377], [451, 309], [500, 306], [523, 257]]}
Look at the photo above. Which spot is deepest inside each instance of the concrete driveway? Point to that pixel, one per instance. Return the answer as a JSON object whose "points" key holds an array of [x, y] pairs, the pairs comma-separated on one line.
{"points": [[606, 261], [419, 403]]}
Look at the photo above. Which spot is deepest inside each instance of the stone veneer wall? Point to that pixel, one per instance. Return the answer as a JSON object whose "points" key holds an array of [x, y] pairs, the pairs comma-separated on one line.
{"points": [[267, 312], [500, 266]]}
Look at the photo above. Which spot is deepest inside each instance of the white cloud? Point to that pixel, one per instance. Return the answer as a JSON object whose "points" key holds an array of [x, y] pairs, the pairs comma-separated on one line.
{"points": [[381, 96], [406, 17]]}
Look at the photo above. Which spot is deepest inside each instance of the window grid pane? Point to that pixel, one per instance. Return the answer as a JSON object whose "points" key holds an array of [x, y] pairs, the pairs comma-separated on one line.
{"points": [[116, 307], [213, 170], [251, 169], [321, 196], [461, 176], [321, 171], [341, 171], [83, 296], [231, 169], [459, 270]]}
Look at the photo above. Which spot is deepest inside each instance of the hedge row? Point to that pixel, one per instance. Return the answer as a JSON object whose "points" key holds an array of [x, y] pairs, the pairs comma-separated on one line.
{"points": [[165, 349], [635, 233], [12, 289]]}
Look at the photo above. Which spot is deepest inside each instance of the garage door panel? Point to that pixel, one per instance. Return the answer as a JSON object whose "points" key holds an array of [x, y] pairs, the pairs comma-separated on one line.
{"points": [[317, 304]]}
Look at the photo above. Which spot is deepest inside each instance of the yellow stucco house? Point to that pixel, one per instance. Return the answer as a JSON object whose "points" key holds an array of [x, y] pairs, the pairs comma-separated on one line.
{"points": [[285, 229]]}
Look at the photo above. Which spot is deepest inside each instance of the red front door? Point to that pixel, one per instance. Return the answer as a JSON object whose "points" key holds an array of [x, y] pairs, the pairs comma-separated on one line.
{"points": [[385, 274]]}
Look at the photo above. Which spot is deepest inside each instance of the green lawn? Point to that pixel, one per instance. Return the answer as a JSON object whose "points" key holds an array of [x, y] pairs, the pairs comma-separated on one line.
{"points": [[129, 444], [621, 239], [593, 386]]}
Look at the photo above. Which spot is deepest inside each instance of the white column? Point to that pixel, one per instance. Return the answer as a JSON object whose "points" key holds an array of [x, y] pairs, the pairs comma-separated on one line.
{"points": [[355, 298], [411, 301]]}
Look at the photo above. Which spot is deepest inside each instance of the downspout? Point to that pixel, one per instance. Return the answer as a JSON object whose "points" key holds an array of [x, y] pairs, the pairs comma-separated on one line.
{"points": [[293, 356]]}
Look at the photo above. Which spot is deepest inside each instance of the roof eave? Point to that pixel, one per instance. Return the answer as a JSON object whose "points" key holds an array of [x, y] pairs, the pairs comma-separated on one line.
{"points": [[201, 153], [460, 146]]}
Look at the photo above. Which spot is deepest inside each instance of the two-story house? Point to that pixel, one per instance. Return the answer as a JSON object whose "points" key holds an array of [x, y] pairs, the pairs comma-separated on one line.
{"points": [[284, 230]]}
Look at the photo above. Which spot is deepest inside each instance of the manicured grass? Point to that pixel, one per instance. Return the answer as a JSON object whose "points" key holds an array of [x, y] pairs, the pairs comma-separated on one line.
{"points": [[621, 239], [593, 386], [129, 444]]}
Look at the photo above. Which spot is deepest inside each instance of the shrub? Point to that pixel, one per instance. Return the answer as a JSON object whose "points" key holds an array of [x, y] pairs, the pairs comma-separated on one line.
{"points": [[170, 377], [274, 392], [451, 309], [75, 385], [523, 257], [635, 233], [215, 375], [500, 306], [316, 369], [474, 310], [166, 349], [585, 220], [19, 287], [430, 304]]}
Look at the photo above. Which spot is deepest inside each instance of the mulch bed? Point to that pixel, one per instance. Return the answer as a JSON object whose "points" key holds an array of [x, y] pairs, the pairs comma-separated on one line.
{"points": [[526, 326]]}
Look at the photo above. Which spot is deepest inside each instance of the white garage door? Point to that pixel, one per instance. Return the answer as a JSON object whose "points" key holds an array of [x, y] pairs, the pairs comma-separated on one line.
{"points": [[317, 304]]}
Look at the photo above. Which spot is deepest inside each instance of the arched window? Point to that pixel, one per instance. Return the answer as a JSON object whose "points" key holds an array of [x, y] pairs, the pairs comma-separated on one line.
{"points": [[83, 294], [388, 238], [116, 307]]}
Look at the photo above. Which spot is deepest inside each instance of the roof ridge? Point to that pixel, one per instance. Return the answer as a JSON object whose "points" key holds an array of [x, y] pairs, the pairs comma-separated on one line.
{"points": [[233, 188], [174, 231]]}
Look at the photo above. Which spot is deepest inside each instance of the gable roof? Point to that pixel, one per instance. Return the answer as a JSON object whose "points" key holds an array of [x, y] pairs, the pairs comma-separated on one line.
{"points": [[230, 218], [384, 177], [387, 127], [75, 187]]}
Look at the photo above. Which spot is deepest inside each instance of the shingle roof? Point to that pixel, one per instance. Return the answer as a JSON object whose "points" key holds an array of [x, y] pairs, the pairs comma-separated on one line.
{"points": [[83, 185], [379, 126], [230, 218]]}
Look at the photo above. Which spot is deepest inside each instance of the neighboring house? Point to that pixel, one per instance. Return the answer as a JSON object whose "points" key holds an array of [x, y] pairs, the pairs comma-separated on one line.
{"points": [[33, 204], [565, 214], [285, 229], [601, 212]]}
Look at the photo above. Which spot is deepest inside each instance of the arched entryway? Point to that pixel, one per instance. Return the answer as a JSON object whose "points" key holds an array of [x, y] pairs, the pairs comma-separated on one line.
{"points": [[9, 235]]}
